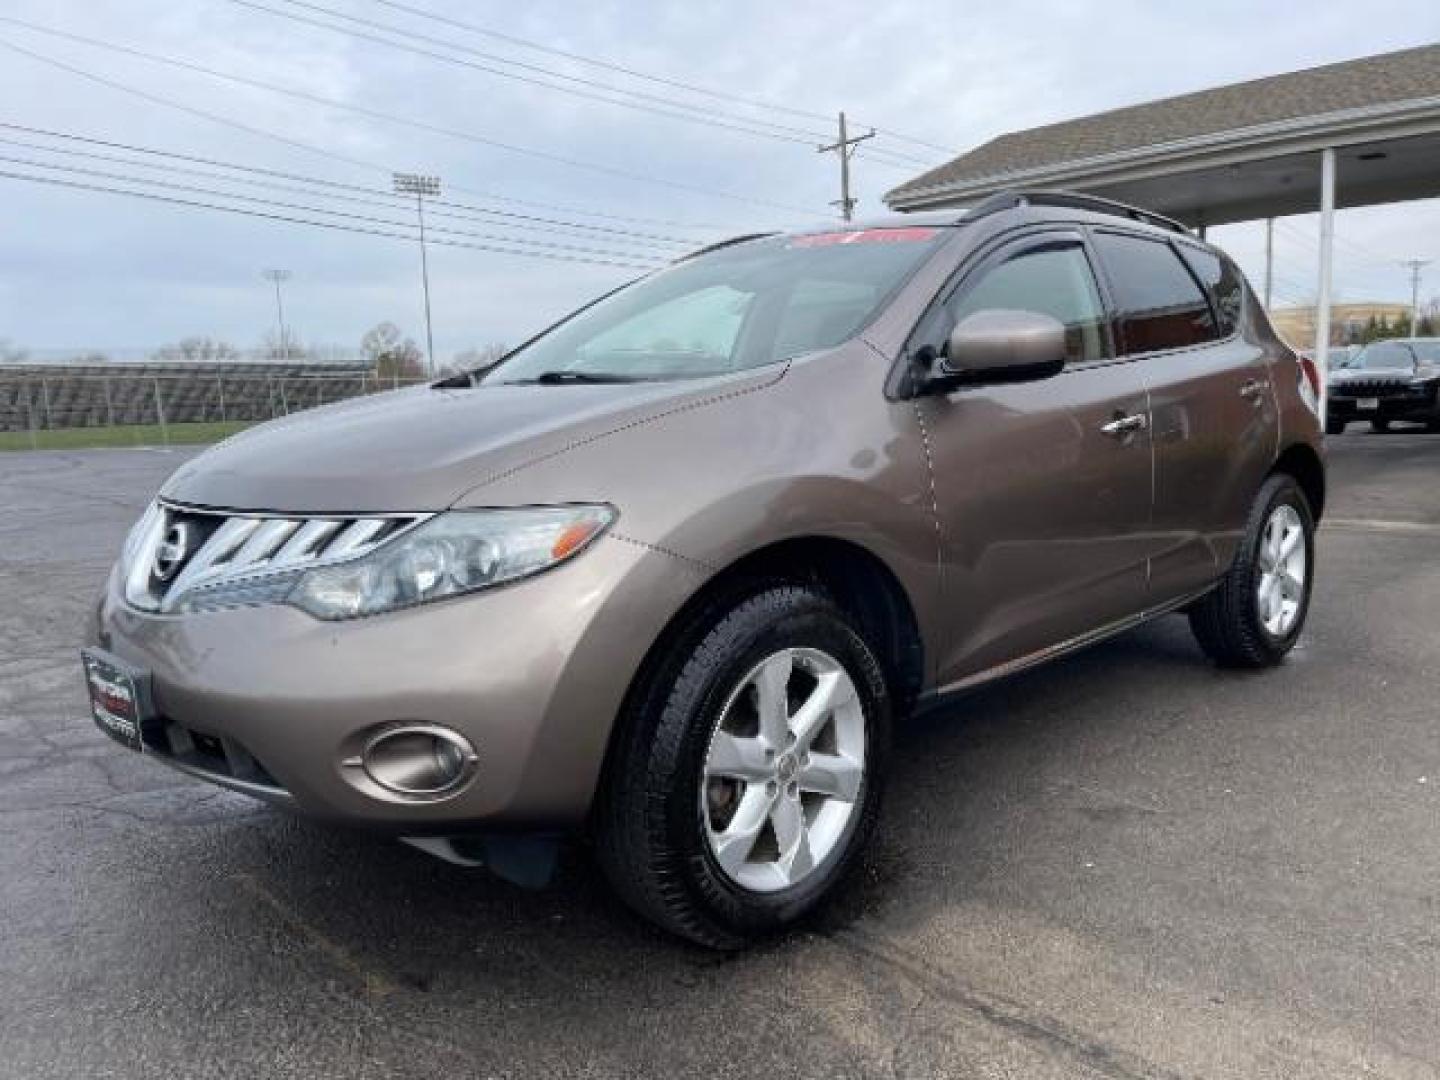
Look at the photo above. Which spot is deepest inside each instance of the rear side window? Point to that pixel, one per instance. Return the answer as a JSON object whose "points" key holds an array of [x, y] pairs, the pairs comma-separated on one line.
{"points": [[1157, 300]]}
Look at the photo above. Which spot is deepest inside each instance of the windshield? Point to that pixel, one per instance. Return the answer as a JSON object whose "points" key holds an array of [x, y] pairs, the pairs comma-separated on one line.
{"points": [[736, 308], [1386, 354]]}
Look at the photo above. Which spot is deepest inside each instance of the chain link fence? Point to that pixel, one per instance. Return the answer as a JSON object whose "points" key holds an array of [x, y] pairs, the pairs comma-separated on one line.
{"points": [[155, 406]]}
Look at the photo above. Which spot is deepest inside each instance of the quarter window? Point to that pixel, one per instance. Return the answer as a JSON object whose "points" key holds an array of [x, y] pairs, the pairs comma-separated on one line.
{"points": [[1222, 282], [1053, 281], [1159, 304]]}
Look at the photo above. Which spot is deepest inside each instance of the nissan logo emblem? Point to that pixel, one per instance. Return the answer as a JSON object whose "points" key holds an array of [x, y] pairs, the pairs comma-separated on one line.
{"points": [[171, 553]]}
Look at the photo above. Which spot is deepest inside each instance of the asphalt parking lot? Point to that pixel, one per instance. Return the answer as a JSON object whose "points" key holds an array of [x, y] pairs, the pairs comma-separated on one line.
{"points": [[1126, 865]]}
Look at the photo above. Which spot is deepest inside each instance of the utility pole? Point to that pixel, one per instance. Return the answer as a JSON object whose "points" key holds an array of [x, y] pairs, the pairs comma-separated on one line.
{"points": [[1269, 258], [421, 186], [1415, 265], [279, 276], [845, 146]]}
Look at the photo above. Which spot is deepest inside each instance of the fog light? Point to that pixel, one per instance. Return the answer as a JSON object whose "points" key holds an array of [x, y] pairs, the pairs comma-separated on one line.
{"points": [[419, 761]]}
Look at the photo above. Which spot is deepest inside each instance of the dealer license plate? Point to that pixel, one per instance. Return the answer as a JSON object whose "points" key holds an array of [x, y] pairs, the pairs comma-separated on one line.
{"points": [[119, 697]]}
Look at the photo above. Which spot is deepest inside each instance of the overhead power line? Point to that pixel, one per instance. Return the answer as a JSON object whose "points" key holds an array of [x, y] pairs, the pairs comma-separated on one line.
{"points": [[296, 220], [1367, 256], [376, 114], [676, 84], [168, 185], [649, 103], [784, 132], [319, 151], [353, 193]]}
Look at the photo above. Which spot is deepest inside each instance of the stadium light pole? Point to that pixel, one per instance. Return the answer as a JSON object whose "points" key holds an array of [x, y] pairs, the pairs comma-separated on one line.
{"points": [[421, 186], [277, 277]]}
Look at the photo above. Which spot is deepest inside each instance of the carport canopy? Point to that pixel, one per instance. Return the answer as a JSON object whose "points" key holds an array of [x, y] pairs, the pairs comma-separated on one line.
{"points": [[1356, 133]]}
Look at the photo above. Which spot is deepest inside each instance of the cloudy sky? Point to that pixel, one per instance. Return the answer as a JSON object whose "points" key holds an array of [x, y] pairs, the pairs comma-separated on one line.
{"points": [[597, 181]]}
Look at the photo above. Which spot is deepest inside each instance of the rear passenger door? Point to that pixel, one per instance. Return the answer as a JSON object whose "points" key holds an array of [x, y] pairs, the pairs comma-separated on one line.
{"points": [[1213, 416], [1042, 488]]}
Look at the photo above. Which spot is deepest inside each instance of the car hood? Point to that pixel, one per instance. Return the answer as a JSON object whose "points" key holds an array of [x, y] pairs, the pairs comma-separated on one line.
{"points": [[422, 448]]}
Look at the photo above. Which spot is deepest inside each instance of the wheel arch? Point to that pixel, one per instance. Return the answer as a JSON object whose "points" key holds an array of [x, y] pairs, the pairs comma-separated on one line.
{"points": [[1301, 461], [859, 582]]}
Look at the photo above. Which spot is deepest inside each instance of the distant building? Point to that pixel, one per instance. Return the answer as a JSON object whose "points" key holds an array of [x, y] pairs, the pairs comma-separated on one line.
{"points": [[1297, 324]]}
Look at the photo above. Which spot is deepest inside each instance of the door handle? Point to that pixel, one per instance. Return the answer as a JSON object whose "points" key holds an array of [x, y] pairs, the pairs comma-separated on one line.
{"points": [[1122, 426], [1252, 389]]}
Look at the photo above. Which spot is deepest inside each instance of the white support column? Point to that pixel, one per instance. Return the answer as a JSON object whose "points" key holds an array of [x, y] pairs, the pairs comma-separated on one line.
{"points": [[1327, 260]]}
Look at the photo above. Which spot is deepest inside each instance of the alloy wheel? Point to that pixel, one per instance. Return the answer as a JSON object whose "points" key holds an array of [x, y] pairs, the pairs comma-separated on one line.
{"points": [[1283, 562], [784, 770]]}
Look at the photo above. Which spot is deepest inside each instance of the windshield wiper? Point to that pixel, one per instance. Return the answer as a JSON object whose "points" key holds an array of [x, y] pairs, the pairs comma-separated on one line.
{"points": [[558, 378]]}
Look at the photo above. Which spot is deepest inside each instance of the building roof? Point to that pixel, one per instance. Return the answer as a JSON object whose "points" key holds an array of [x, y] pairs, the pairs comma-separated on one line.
{"points": [[1355, 88]]}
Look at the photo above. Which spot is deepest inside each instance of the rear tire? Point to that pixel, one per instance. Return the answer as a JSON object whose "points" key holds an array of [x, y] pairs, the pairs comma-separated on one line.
{"points": [[672, 816], [1380, 427], [1334, 427], [1255, 615]]}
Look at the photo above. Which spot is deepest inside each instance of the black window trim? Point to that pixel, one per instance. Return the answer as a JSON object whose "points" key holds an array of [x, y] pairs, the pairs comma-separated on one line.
{"points": [[1165, 241]]}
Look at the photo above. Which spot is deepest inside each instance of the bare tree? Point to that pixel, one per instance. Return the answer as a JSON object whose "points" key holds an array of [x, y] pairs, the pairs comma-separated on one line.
{"points": [[287, 348], [198, 350], [390, 354]]}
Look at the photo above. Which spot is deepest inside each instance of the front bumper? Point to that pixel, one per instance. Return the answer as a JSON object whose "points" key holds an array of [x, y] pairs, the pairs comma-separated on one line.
{"points": [[269, 700], [1410, 403]]}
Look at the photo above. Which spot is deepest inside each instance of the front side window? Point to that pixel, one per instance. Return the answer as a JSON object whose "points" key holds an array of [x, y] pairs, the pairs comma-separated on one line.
{"points": [[1159, 304], [1053, 281], [739, 307]]}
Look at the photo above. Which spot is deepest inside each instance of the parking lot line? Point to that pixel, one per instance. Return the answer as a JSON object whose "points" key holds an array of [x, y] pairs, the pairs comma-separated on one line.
{"points": [[374, 984]]}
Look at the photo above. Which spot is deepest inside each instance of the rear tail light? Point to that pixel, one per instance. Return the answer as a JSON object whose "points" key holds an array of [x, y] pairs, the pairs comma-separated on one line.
{"points": [[1309, 381]]}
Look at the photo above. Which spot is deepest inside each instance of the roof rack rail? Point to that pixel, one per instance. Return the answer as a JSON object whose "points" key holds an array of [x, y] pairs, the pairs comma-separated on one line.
{"points": [[744, 238], [1009, 200]]}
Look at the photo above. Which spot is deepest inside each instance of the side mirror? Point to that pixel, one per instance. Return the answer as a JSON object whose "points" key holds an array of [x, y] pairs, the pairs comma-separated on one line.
{"points": [[999, 346]]}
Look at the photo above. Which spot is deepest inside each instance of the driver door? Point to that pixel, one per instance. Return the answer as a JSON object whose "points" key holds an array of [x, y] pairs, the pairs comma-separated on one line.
{"points": [[1043, 488]]}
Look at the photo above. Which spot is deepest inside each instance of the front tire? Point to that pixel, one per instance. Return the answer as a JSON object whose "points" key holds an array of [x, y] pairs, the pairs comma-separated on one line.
{"points": [[748, 773], [1379, 427], [1334, 427], [1255, 615]]}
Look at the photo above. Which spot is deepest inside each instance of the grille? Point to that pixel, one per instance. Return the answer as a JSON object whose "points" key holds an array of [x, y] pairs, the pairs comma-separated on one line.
{"points": [[176, 550], [1375, 388]]}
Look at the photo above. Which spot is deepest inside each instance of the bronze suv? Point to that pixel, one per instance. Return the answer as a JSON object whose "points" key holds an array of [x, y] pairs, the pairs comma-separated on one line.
{"points": [[664, 576]]}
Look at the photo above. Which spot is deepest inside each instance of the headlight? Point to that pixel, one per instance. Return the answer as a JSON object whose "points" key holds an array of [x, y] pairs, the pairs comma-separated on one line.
{"points": [[453, 553]]}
